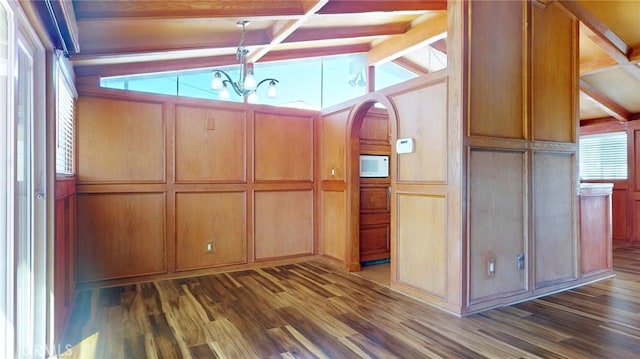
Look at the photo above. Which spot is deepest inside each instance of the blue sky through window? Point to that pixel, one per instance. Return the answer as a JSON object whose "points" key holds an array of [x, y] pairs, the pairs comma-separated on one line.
{"points": [[313, 83]]}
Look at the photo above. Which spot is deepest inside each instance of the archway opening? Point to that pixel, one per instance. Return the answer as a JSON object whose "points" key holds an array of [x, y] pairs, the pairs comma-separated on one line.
{"points": [[371, 179]]}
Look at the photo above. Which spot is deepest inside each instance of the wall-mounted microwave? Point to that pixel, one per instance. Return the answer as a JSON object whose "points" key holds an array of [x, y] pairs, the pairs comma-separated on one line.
{"points": [[374, 166]]}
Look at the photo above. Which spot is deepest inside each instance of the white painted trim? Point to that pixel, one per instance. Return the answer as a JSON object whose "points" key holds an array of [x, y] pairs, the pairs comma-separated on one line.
{"points": [[7, 319], [22, 31]]}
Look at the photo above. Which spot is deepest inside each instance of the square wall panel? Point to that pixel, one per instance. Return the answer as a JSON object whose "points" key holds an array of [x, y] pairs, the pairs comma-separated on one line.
{"points": [[283, 223], [210, 145], [210, 229], [283, 148]]}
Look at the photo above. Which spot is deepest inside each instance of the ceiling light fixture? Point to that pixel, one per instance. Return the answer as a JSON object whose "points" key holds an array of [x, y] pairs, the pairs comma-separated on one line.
{"points": [[246, 85]]}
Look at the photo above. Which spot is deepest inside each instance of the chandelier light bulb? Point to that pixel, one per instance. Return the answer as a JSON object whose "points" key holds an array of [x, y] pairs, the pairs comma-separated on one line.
{"points": [[250, 81], [272, 91], [216, 83], [224, 94]]}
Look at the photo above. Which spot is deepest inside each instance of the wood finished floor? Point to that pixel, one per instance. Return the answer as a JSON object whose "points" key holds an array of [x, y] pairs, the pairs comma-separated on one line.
{"points": [[310, 310]]}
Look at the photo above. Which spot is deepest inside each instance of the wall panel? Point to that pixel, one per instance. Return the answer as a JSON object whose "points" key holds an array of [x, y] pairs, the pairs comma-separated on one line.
{"points": [[497, 68], [219, 218], [554, 200], [423, 116], [333, 129], [283, 147], [620, 208], [595, 228], [283, 224], [497, 222], [120, 235], [120, 141], [210, 145], [334, 230], [552, 82], [375, 127], [421, 243], [162, 176]]}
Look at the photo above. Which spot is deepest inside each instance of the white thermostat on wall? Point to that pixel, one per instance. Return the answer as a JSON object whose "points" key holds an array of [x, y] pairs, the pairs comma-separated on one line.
{"points": [[405, 145]]}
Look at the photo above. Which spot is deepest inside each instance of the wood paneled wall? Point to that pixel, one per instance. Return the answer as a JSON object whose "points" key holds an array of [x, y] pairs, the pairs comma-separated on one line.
{"points": [[333, 188], [426, 186], [425, 199], [162, 178], [521, 130], [65, 249]]}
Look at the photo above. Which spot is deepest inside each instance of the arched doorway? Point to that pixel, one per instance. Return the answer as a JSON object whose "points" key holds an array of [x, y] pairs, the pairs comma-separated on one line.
{"points": [[371, 133]]}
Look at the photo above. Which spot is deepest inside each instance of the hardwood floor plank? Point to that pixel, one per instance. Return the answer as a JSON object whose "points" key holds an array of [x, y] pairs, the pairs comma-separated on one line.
{"points": [[328, 344], [395, 344], [166, 344], [313, 310], [202, 351]]}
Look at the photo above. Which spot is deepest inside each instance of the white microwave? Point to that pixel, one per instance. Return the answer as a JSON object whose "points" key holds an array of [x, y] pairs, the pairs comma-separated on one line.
{"points": [[374, 166]]}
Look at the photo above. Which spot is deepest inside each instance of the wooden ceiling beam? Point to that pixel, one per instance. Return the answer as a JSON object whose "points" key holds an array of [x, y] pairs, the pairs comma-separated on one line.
{"points": [[283, 29], [599, 33], [105, 9], [597, 65], [354, 32], [315, 52], [635, 55], [211, 61], [607, 104], [143, 67], [335, 7], [608, 47], [411, 66], [252, 39], [420, 35], [221, 41]]}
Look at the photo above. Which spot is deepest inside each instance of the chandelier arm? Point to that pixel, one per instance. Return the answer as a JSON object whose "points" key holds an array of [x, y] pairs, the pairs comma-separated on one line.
{"points": [[235, 86], [225, 75], [266, 80]]}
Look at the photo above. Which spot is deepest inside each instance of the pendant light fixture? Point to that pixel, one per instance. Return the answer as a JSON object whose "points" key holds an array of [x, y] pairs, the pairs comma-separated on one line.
{"points": [[246, 85]]}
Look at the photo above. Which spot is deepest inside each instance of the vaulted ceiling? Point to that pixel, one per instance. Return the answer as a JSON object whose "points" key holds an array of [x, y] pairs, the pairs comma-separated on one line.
{"points": [[112, 37]]}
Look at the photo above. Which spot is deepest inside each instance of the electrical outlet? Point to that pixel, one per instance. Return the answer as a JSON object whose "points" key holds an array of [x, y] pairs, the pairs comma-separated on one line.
{"points": [[491, 267], [209, 247]]}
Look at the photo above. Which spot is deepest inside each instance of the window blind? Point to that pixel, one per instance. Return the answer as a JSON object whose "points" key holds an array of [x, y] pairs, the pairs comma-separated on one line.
{"points": [[64, 126], [603, 156]]}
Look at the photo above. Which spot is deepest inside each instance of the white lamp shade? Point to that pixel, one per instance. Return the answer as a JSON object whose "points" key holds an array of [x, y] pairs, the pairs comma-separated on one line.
{"points": [[272, 91], [216, 82], [224, 94], [250, 81]]}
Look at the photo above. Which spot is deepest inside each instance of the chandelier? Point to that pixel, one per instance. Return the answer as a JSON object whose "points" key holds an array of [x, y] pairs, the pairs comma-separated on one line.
{"points": [[246, 85]]}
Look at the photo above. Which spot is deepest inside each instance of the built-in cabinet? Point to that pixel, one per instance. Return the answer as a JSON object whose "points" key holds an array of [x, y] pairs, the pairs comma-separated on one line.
{"points": [[375, 193]]}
